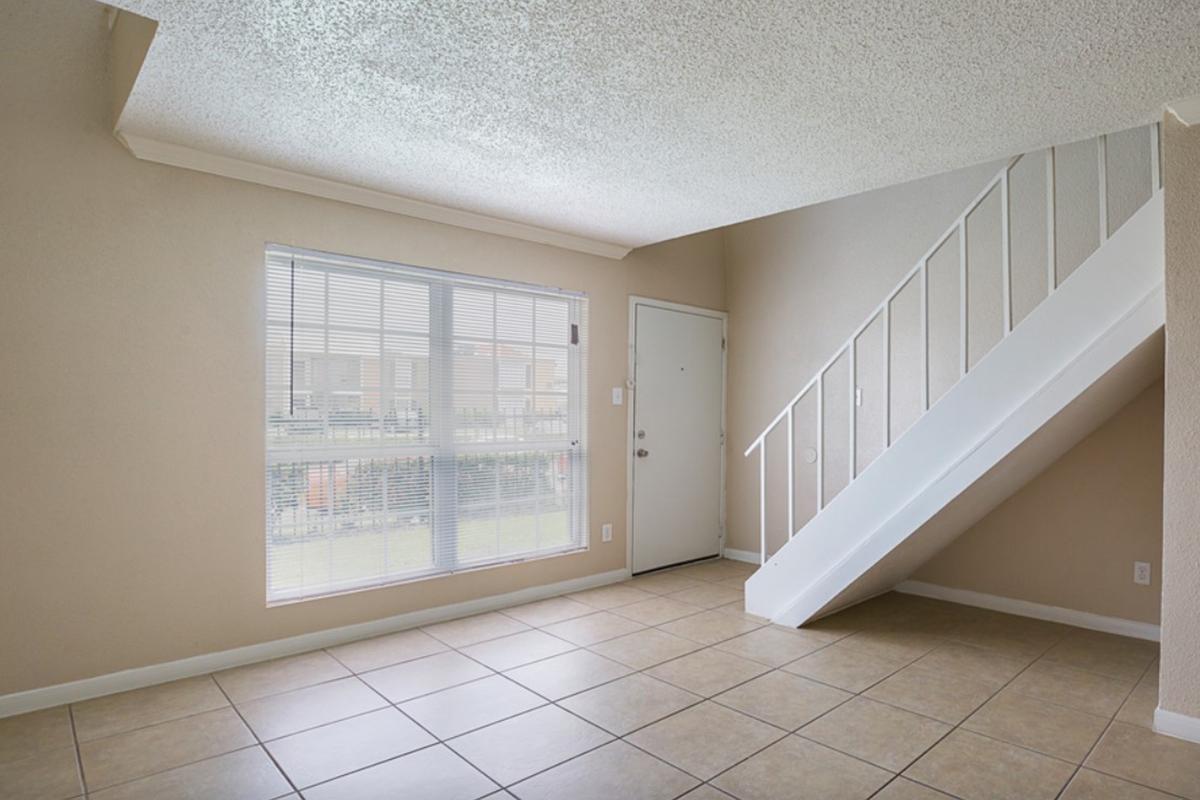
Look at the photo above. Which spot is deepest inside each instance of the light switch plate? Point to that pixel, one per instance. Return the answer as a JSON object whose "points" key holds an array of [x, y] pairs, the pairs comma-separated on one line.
{"points": [[618, 395], [606, 532]]}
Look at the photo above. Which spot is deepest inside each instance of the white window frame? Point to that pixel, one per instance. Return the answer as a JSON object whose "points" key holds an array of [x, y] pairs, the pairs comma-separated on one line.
{"points": [[442, 447]]}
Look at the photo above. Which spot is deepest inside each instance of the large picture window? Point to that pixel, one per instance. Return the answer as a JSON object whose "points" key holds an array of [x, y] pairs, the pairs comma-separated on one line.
{"points": [[418, 422]]}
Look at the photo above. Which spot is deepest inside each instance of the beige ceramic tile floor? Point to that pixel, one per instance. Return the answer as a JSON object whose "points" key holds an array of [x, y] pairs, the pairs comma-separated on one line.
{"points": [[654, 689]]}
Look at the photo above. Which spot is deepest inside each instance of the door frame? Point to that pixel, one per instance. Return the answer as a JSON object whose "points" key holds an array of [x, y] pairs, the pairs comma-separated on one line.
{"points": [[631, 394]]}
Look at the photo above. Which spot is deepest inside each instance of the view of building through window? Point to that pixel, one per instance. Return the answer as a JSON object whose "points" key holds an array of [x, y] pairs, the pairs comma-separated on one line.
{"points": [[418, 422]]}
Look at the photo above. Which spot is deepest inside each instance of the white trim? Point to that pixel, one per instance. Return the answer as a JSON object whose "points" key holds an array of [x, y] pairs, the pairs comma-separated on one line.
{"points": [[635, 299], [188, 158], [1024, 608], [1186, 111], [46, 697], [631, 393], [749, 556], [1181, 726]]}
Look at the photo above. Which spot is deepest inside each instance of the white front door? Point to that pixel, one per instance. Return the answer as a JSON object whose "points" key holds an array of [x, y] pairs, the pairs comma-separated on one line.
{"points": [[677, 422]]}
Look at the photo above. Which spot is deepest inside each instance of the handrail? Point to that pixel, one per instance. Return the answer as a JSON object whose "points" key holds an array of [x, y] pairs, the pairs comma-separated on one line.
{"points": [[920, 269]]}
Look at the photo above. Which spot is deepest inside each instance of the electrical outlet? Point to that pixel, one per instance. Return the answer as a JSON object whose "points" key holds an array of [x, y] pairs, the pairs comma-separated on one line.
{"points": [[606, 532], [1141, 573]]}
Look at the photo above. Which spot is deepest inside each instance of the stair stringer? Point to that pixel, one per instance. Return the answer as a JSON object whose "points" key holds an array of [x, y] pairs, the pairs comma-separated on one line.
{"points": [[1108, 306]]}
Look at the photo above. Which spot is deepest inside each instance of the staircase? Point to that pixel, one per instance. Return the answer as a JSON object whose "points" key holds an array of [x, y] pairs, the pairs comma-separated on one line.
{"points": [[976, 387]]}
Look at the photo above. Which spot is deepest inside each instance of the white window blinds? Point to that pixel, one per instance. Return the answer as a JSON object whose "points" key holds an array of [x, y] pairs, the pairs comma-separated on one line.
{"points": [[418, 422]]}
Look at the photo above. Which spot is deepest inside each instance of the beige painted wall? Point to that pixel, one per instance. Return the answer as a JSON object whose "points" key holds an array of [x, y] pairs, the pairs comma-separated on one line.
{"points": [[1070, 536], [1180, 675], [132, 425], [132, 310]]}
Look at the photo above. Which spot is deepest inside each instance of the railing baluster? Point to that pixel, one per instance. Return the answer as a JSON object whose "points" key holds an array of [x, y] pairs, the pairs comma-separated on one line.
{"points": [[1155, 169], [962, 294], [1005, 255], [791, 470], [924, 336], [1102, 164], [1051, 239], [887, 373], [853, 416], [820, 440], [762, 502]]}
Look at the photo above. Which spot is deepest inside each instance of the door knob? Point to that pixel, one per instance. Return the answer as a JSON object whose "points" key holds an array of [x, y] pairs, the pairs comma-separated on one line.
{"points": [[642, 452]]}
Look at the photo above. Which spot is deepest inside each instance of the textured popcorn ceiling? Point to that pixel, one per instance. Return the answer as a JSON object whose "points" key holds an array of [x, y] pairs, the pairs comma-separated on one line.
{"points": [[633, 122]]}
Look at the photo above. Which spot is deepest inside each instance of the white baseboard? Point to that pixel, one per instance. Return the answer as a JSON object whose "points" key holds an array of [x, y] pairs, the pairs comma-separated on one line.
{"points": [[749, 556], [1181, 726], [1024, 608], [46, 697]]}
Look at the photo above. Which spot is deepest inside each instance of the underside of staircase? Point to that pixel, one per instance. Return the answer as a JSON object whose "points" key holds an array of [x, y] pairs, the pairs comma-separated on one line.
{"points": [[1087, 348]]}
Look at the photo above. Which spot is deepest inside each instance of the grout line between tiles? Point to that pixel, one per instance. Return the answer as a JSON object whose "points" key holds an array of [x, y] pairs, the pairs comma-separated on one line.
{"points": [[586, 721], [267, 752], [351, 673], [624, 737], [959, 725], [1111, 721], [299, 731], [156, 772], [447, 743], [1093, 672], [180, 718], [1124, 779], [378, 763], [78, 756], [265, 696], [389, 704], [942, 640], [703, 699], [940, 739]]}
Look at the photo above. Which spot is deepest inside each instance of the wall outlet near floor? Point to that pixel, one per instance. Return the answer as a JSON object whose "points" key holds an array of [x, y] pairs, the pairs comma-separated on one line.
{"points": [[1141, 573], [606, 532]]}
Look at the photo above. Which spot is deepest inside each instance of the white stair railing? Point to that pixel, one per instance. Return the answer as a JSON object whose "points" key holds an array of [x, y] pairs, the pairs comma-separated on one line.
{"points": [[920, 271]]}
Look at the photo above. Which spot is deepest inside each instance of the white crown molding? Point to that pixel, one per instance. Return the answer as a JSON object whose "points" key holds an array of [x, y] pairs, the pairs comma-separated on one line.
{"points": [[1187, 110], [73, 692], [1181, 726], [188, 158], [1024, 608]]}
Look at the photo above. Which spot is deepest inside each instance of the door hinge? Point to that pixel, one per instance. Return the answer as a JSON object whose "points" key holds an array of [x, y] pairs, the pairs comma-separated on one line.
{"points": [[722, 342]]}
